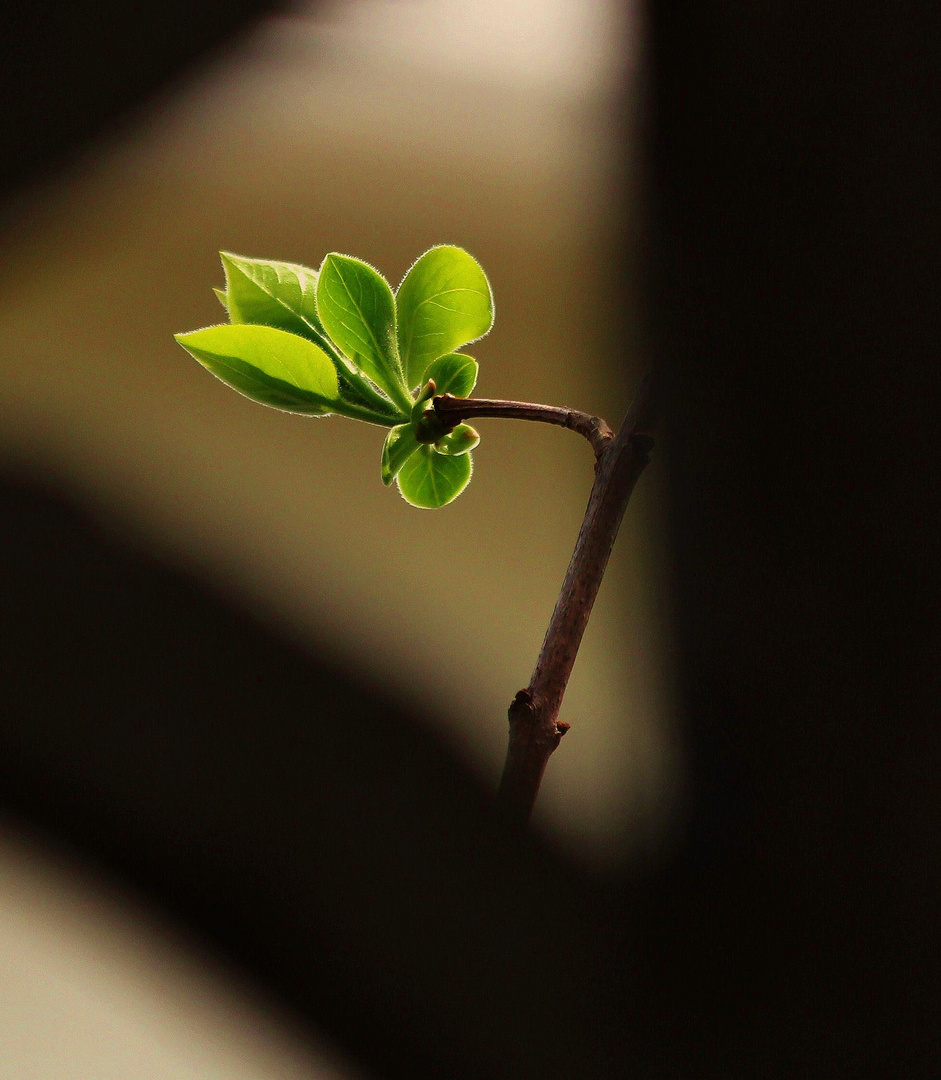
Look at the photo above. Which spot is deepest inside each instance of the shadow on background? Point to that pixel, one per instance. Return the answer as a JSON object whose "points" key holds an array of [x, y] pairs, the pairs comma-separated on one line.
{"points": [[356, 129], [324, 840]]}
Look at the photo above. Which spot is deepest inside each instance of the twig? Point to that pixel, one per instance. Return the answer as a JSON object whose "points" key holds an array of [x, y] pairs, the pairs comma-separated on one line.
{"points": [[452, 410], [535, 728]]}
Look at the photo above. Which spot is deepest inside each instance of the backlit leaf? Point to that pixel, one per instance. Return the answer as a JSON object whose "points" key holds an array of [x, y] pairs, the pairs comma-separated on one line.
{"points": [[267, 365], [453, 373], [444, 302], [357, 309], [283, 295], [399, 446], [267, 293], [429, 480]]}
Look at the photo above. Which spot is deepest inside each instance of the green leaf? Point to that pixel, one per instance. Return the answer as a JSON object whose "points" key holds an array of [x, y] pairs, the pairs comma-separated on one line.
{"points": [[429, 480], [278, 294], [267, 365], [459, 441], [222, 298], [283, 295], [357, 309], [454, 374], [399, 446], [444, 302]]}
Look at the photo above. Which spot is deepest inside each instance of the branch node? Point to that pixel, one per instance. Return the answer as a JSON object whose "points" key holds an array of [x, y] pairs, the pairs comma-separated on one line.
{"points": [[521, 707], [450, 423]]}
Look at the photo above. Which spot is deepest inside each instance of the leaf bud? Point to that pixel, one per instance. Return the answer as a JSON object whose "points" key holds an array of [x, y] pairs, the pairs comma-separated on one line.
{"points": [[459, 441], [430, 428]]}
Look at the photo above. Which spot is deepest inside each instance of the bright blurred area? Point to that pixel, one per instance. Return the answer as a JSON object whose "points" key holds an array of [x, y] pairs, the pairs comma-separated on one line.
{"points": [[375, 128], [95, 988]]}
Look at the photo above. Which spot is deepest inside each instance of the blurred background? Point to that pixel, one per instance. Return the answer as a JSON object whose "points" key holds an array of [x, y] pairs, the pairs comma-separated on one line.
{"points": [[247, 755], [97, 987], [374, 128]]}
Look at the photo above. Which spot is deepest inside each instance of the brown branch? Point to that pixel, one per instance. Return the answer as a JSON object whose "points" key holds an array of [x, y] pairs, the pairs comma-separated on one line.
{"points": [[535, 728], [452, 410]]}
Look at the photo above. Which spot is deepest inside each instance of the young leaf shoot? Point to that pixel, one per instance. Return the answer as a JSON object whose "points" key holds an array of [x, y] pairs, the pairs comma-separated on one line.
{"points": [[329, 341]]}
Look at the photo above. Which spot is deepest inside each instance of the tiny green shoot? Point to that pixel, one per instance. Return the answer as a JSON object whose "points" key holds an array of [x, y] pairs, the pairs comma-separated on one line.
{"points": [[338, 341]]}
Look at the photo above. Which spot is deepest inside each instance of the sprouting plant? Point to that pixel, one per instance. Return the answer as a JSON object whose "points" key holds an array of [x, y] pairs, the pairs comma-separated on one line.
{"points": [[338, 340]]}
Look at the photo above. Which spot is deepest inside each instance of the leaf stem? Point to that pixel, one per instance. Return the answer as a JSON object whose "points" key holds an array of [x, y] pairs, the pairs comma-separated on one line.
{"points": [[453, 410], [366, 390], [535, 728], [368, 416], [351, 373], [401, 398]]}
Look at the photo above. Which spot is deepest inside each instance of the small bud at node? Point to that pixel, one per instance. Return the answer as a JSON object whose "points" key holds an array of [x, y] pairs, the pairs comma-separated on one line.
{"points": [[459, 441]]}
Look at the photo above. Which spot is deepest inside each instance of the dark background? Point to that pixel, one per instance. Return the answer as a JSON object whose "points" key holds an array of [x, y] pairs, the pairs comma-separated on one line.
{"points": [[793, 240]]}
